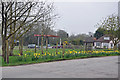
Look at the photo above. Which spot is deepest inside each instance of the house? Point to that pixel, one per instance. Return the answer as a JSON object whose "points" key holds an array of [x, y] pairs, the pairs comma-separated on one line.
{"points": [[104, 42], [89, 43]]}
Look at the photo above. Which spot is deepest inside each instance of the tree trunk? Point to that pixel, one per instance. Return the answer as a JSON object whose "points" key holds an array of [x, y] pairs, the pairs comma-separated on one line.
{"points": [[63, 49], [119, 47], [4, 49], [4, 37], [7, 46], [11, 50], [11, 39], [115, 47], [46, 43], [12, 45], [21, 46], [42, 43], [56, 47], [35, 48], [2, 33]]}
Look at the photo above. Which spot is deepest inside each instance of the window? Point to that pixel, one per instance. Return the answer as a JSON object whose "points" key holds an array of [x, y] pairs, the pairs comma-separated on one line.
{"points": [[98, 44], [111, 45], [106, 45], [106, 38]]}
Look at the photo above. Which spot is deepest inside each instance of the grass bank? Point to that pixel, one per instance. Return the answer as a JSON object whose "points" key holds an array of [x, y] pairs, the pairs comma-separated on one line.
{"points": [[30, 57]]}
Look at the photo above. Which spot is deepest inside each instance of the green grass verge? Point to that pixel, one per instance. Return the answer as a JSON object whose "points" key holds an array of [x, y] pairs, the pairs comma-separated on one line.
{"points": [[31, 58]]}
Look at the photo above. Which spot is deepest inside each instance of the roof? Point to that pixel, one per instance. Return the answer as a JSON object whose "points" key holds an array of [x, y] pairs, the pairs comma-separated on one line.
{"points": [[90, 40], [101, 39], [46, 35]]}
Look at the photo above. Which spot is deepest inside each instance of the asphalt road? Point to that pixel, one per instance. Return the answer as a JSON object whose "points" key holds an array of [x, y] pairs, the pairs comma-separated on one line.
{"points": [[102, 67]]}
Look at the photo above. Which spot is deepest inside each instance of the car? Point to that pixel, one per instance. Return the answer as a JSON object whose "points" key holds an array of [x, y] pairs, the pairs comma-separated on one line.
{"points": [[32, 46], [48, 45], [59, 46]]}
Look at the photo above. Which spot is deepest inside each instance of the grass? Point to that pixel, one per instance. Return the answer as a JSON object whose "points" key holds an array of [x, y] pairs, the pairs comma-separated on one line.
{"points": [[29, 57]]}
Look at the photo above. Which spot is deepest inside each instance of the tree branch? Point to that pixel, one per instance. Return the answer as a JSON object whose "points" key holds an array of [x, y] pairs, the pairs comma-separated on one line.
{"points": [[20, 16]]}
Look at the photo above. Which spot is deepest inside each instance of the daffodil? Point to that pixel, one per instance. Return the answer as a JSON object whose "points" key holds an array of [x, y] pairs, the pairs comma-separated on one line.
{"points": [[19, 54], [25, 55]]}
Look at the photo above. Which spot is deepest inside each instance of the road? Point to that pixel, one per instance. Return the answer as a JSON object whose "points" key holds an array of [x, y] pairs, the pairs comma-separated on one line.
{"points": [[102, 67]]}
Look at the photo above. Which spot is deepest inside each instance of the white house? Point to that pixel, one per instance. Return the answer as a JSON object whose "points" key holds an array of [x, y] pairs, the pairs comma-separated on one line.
{"points": [[104, 42]]}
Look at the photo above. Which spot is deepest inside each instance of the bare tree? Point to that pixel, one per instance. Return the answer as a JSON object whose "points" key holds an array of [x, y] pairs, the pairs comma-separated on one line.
{"points": [[47, 24], [17, 19]]}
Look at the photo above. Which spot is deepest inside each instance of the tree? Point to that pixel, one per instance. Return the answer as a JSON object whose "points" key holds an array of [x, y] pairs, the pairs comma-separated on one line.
{"points": [[77, 42], [63, 35], [77, 39], [99, 33], [49, 24], [110, 24], [17, 19]]}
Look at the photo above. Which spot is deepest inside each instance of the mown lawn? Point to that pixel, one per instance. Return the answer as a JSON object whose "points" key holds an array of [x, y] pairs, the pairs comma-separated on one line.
{"points": [[30, 57]]}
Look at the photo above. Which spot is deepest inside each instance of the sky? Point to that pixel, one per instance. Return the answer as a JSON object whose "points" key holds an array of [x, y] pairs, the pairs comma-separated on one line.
{"points": [[81, 17]]}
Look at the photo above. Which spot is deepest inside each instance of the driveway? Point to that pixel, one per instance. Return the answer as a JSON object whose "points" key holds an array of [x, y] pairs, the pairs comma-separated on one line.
{"points": [[100, 67]]}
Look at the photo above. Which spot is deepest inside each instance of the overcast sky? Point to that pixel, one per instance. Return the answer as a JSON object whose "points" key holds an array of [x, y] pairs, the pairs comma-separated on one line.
{"points": [[80, 17]]}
